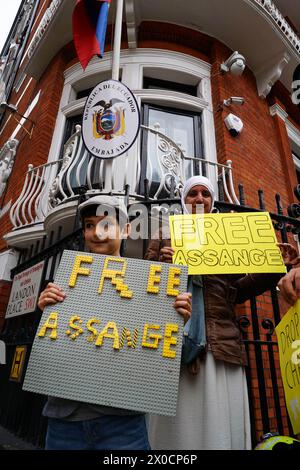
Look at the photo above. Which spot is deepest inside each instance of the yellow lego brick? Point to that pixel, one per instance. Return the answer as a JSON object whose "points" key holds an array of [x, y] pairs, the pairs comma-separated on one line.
{"points": [[173, 281], [105, 334], [127, 294], [93, 330], [150, 336], [53, 317], [112, 275], [78, 269], [170, 340], [152, 279]]}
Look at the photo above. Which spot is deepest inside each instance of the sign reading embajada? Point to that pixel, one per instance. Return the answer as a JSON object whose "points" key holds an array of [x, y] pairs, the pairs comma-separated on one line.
{"points": [[111, 120], [116, 338]]}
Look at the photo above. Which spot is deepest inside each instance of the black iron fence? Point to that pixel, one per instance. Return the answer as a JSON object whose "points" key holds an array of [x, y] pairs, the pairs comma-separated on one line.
{"points": [[20, 411]]}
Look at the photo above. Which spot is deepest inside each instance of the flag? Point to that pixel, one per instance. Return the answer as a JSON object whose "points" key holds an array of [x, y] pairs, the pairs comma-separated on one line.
{"points": [[89, 28]]}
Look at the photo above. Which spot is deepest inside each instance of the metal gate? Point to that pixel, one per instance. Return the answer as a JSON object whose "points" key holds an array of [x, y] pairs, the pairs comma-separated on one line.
{"points": [[20, 411]]}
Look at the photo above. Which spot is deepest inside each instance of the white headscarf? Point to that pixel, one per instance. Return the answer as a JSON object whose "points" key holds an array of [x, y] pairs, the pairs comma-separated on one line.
{"points": [[195, 181]]}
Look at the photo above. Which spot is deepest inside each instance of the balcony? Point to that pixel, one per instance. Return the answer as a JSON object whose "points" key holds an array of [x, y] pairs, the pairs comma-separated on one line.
{"points": [[270, 45], [49, 198]]}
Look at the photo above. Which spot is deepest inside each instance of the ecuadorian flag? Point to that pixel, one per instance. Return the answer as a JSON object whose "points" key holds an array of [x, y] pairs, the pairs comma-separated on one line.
{"points": [[89, 28]]}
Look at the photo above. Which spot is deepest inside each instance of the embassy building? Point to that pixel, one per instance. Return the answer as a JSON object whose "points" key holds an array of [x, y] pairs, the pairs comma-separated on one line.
{"points": [[216, 85]]}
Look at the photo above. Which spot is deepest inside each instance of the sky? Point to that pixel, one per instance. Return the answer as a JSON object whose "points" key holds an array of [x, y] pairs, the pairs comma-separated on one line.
{"points": [[8, 11]]}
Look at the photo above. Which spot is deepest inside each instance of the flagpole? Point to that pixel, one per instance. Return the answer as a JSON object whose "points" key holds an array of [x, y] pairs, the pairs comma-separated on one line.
{"points": [[117, 40]]}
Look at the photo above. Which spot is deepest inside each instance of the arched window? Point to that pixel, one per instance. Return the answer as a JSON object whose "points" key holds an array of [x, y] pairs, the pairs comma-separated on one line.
{"points": [[172, 89]]}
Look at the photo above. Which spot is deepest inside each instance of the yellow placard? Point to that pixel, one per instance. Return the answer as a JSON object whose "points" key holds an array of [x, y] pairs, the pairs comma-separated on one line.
{"points": [[18, 363], [230, 243], [288, 334]]}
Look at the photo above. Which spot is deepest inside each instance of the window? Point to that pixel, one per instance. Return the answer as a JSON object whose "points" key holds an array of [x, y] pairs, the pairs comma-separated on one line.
{"points": [[84, 158], [155, 84], [183, 127], [71, 124], [84, 93]]}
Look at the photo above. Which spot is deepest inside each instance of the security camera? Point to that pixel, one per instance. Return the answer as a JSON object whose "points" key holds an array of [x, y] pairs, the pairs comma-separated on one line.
{"points": [[234, 100], [235, 64], [234, 124]]}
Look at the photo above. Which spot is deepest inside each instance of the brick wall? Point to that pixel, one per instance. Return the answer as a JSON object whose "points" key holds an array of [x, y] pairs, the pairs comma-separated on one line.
{"points": [[34, 150], [5, 288], [259, 153]]}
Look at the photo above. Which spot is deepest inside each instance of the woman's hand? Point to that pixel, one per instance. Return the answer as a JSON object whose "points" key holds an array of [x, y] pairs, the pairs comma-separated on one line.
{"points": [[51, 295], [183, 305], [289, 254], [289, 286], [166, 254]]}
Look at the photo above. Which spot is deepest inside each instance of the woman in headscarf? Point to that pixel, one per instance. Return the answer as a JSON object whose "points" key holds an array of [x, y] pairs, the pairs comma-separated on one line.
{"points": [[213, 409]]}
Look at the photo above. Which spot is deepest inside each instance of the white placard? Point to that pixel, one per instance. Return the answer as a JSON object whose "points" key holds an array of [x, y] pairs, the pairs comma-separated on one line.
{"points": [[25, 290]]}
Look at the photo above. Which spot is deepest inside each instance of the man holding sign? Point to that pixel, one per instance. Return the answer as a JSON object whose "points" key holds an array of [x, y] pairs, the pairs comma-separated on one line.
{"points": [[77, 425], [213, 410], [288, 334]]}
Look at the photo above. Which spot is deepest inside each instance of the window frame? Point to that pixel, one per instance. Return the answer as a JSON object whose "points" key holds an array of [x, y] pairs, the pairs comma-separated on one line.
{"points": [[198, 138]]}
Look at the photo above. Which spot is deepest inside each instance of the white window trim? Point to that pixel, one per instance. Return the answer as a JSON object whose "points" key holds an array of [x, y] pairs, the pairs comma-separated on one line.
{"points": [[132, 64], [293, 133], [8, 261], [296, 161]]}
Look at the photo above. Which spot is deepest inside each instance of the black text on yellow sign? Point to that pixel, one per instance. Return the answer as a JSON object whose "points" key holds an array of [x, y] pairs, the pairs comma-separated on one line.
{"points": [[226, 243]]}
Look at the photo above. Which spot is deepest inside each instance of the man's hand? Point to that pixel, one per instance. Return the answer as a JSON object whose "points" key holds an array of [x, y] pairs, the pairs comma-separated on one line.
{"points": [[183, 305], [51, 295], [289, 286], [289, 254], [166, 254]]}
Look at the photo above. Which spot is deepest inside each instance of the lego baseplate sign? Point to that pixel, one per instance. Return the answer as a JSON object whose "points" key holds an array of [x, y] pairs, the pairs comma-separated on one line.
{"points": [[116, 338], [25, 291]]}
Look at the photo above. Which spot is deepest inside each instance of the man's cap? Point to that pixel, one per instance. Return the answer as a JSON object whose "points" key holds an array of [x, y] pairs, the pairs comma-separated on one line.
{"points": [[103, 202]]}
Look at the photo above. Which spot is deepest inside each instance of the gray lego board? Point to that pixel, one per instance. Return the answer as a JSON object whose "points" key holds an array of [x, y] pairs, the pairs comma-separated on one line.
{"points": [[140, 378]]}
